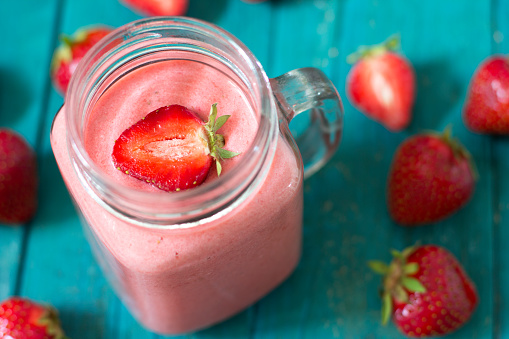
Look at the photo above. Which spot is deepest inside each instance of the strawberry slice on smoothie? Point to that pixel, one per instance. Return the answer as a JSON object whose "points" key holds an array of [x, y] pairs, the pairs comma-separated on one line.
{"points": [[172, 148]]}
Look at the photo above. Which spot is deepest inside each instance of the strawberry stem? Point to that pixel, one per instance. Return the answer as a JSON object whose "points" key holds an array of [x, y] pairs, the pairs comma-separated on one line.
{"points": [[392, 43], [386, 308], [216, 141], [411, 268], [378, 266], [62, 54], [66, 40], [397, 281], [50, 320]]}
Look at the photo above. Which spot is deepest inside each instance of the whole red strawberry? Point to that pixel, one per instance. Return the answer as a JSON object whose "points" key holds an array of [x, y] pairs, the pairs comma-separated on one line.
{"points": [[67, 56], [426, 291], [486, 108], [381, 84], [18, 178], [172, 148], [431, 177], [21, 318], [158, 7]]}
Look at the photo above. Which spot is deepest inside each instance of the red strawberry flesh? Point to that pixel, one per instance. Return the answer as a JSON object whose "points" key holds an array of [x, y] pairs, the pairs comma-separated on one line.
{"points": [[168, 149], [383, 87], [381, 84]]}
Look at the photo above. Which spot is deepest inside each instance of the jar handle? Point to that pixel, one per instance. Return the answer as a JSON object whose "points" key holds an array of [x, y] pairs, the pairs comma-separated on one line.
{"points": [[310, 90]]}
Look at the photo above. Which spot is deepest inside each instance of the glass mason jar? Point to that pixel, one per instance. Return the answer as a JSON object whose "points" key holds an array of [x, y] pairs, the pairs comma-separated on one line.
{"points": [[183, 261]]}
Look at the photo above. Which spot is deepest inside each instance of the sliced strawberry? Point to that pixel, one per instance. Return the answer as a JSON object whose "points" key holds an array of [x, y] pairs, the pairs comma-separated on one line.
{"points": [[171, 148], [381, 84], [71, 51], [158, 7]]}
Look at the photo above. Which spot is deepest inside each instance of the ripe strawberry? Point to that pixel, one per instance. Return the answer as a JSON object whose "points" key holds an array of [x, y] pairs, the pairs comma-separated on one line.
{"points": [[426, 291], [24, 319], [158, 7], [381, 84], [171, 148], [486, 108], [18, 178], [431, 177], [71, 51]]}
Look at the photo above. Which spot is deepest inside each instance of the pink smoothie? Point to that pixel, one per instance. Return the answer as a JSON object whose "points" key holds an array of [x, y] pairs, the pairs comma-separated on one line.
{"points": [[177, 281]]}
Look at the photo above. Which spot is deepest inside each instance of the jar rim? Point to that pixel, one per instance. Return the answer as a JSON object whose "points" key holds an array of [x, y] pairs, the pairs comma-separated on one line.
{"points": [[186, 208]]}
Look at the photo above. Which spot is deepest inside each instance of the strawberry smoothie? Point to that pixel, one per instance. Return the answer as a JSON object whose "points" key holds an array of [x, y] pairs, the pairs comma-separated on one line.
{"points": [[181, 280]]}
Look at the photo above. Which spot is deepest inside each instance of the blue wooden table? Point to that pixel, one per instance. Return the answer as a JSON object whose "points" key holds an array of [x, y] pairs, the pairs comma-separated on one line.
{"points": [[332, 294]]}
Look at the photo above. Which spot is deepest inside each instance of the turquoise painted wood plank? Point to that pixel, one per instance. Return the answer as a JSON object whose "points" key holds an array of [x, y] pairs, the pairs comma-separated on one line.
{"points": [[305, 33], [81, 13], [346, 222], [82, 283], [22, 93], [87, 305], [252, 27], [500, 44], [331, 294], [443, 80], [443, 58], [501, 229], [302, 35], [10, 252]]}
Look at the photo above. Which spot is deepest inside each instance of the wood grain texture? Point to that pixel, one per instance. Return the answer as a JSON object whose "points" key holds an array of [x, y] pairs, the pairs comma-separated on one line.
{"points": [[59, 267], [500, 165], [23, 94], [332, 294]]}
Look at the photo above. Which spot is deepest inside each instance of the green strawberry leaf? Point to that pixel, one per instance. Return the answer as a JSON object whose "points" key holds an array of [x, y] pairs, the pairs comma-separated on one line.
{"points": [[391, 44], [62, 54], [400, 294], [66, 40], [216, 141], [407, 251], [386, 308], [378, 267], [411, 268], [396, 254], [218, 168], [212, 115], [413, 285], [225, 154], [220, 122]]}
